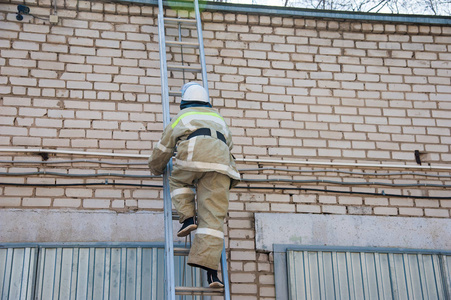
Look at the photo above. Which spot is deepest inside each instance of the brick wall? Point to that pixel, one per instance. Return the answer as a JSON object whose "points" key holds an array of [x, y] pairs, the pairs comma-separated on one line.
{"points": [[290, 89]]}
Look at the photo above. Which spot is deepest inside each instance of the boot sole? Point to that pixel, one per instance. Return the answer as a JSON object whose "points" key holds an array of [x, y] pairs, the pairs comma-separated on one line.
{"points": [[216, 285], [187, 230]]}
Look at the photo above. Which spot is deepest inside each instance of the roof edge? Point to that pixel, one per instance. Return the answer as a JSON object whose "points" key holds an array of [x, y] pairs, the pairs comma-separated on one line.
{"points": [[305, 12]]}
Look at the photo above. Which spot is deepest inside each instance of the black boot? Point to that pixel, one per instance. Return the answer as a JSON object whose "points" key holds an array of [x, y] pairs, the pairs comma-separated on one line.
{"points": [[188, 226], [213, 280]]}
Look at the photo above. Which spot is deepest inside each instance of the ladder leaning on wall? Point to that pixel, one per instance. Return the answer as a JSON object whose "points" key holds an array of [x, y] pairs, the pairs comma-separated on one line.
{"points": [[180, 23]]}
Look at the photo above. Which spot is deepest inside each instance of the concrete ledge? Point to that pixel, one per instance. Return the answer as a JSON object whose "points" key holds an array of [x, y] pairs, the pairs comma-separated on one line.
{"points": [[351, 231], [42, 225]]}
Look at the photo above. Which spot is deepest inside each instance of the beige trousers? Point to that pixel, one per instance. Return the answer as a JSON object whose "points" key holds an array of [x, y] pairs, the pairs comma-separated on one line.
{"points": [[212, 206]]}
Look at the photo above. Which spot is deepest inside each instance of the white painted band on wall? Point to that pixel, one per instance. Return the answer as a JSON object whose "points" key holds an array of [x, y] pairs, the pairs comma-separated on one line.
{"points": [[50, 225], [351, 231]]}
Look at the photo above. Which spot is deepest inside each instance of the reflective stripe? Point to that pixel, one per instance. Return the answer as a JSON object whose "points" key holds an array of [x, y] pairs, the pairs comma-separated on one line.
{"points": [[205, 115], [191, 144], [163, 148], [187, 121], [182, 191], [212, 232], [209, 166]]}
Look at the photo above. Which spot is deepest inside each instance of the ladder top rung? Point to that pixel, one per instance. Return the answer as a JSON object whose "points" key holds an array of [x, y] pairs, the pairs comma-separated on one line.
{"points": [[178, 20], [207, 291], [180, 43]]}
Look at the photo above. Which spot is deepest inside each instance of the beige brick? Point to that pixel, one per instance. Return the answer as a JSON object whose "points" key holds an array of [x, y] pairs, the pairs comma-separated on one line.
{"points": [[55, 48], [360, 210], [427, 203], [79, 192], [240, 224], [241, 234], [108, 144], [76, 59], [243, 289], [36, 202], [440, 213], [10, 202], [80, 42], [282, 207], [50, 192], [376, 201], [334, 209], [96, 203], [75, 23], [14, 130], [242, 255], [150, 204], [242, 244], [25, 46], [64, 202], [14, 71], [26, 141], [350, 200], [23, 81], [82, 50], [327, 199], [411, 211], [386, 211], [52, 83]]}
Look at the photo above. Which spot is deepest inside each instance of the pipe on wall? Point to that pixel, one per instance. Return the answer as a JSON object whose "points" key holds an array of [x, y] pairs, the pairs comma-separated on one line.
{"points": [[244, 160]]}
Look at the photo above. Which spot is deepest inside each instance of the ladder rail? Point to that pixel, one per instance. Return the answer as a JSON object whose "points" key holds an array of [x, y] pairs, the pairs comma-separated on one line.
{"points": [[169, 243], [170, 287], [200, 38], [225, 274]]}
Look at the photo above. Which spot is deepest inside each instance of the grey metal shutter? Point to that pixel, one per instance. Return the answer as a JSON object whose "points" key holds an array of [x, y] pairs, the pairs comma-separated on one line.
{"points": [[367, 275], [83, 273], [17, 272]]}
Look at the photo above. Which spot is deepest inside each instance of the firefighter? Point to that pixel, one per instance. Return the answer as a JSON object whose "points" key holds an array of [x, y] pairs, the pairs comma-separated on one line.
{"points": [[203, 166]]}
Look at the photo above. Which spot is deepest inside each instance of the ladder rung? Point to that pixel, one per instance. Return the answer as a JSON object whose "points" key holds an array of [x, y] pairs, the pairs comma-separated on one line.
{"points": [[206, 291], [181, 251], [184, 68], [183, 44], [185, 26], [175, 215], [179, 20], [177, 94]]}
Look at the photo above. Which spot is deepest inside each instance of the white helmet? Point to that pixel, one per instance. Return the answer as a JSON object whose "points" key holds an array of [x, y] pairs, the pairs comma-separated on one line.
{"points": [[193, 91]]}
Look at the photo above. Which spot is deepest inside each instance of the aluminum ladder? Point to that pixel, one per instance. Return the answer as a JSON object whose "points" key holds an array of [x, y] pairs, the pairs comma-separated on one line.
{"points": [[200, 68]]}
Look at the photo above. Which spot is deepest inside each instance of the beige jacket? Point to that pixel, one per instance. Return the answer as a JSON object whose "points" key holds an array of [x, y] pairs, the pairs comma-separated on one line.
{"points": [[200, 153]]}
